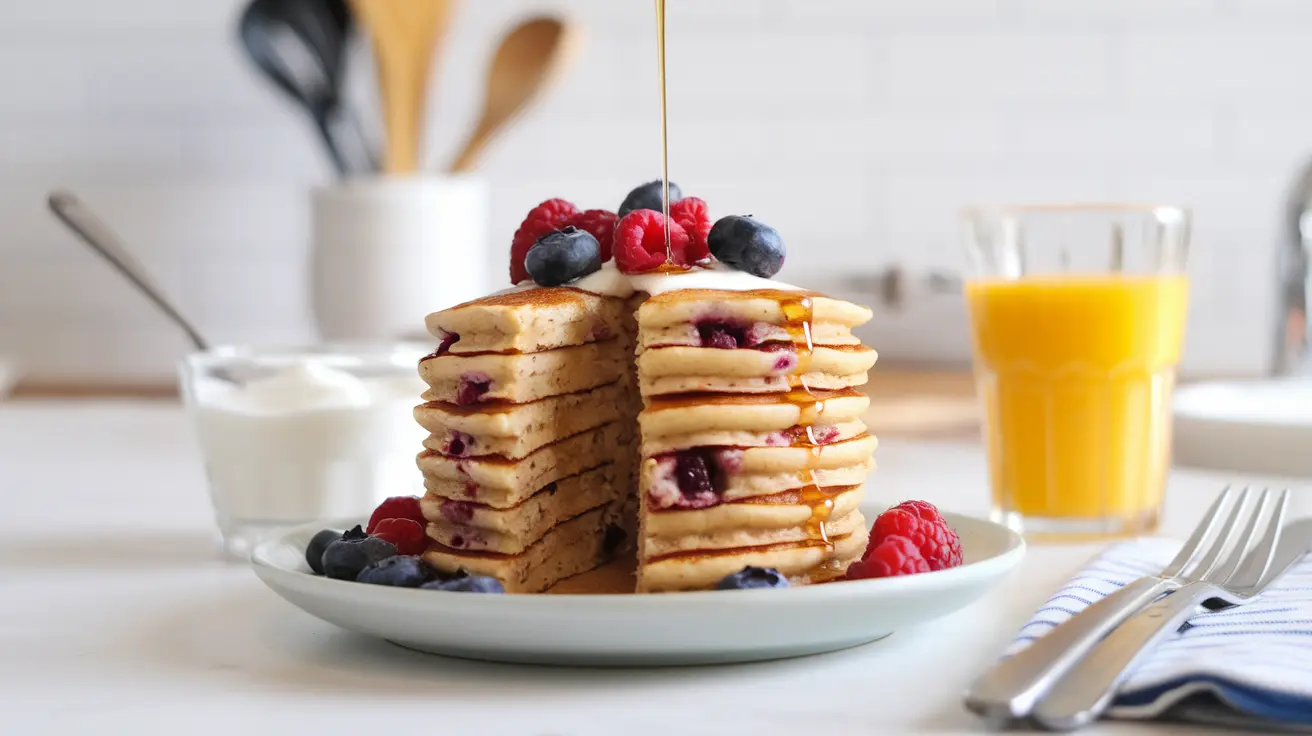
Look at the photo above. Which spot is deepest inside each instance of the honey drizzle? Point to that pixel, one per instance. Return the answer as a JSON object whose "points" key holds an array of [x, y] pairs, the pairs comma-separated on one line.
{"points": [[665, 138], [799, 313]]}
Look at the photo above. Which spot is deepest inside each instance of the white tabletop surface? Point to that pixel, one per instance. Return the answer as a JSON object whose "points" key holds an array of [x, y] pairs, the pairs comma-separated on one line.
{"points": [[116, 616]]}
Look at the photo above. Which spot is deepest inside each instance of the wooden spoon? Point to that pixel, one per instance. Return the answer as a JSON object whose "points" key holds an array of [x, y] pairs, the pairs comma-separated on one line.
{"points": [[405, 33], [529, 58]]}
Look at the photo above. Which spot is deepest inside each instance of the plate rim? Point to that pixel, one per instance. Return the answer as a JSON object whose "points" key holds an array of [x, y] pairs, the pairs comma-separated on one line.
{"points": [[1180, 409], [990, 567]]}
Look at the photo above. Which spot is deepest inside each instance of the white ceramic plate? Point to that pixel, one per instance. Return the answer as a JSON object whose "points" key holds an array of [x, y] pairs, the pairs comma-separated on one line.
{"points": [[1246, 426], [674, 628]]}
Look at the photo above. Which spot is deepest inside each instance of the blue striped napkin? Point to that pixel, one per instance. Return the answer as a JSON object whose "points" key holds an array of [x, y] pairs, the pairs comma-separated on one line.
{"points": [[1249, 666]]}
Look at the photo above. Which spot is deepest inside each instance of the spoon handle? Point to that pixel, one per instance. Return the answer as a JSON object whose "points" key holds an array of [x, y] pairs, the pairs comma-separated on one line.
{"points": [[78, 217]]}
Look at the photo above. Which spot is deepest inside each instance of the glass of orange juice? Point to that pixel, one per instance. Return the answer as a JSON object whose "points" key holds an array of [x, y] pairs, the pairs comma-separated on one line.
{"points": [[1077, 319]]}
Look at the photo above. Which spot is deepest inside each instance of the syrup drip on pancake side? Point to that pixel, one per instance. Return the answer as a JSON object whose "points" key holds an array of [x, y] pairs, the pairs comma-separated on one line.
{"points": [[799, 315]]}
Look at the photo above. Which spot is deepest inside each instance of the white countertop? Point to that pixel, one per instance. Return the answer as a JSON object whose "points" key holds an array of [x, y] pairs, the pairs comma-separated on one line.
{"points": [[116, 616]]}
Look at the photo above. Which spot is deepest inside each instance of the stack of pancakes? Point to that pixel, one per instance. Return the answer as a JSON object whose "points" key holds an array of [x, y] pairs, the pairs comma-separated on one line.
{"points": [[753, 450], [529, 465], [750, 449]]}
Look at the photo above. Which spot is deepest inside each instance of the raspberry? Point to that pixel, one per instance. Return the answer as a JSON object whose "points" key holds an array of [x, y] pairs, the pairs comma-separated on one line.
{"points": [[693, 215], [546, 217], [600, 224], [921, 524], [923, 509], [891, 557], [640, 242], [407, 534], [397, 507]]}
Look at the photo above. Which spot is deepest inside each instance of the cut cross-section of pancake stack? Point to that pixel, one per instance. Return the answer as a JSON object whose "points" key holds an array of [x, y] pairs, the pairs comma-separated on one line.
{"points": [[530, 462], [753, 450]]}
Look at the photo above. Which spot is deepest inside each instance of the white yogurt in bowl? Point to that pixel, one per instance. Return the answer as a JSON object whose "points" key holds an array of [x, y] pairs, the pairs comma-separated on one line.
{"points": [[291, 436]]}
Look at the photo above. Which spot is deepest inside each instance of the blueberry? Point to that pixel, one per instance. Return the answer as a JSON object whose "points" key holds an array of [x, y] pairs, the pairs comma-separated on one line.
{"points": [[562, 256], [467, 584], [345, 558], [747, 245], [649, 196], [319, 543], [753, 577], [400, 571], [693, 474], [355, 532]]}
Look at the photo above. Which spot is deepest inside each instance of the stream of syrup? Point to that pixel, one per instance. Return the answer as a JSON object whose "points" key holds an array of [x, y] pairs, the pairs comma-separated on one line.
{"points": [[798, 312], [665, 137]]}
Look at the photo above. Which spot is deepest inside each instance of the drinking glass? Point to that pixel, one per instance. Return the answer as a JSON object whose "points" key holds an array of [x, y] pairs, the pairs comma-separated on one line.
{"points": [[289, 435], [1077, 319]]}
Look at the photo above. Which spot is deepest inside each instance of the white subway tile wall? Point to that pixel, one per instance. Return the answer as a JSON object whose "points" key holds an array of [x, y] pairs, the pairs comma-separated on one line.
{"points": [[858, 127]]}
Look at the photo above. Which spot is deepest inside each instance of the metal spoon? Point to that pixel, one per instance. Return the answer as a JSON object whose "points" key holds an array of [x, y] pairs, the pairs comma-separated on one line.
{"points": [[528, 60], [79, 218], [301, 46]]}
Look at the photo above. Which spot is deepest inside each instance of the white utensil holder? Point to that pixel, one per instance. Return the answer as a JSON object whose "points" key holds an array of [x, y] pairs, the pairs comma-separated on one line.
{"points": [[388, 251]]}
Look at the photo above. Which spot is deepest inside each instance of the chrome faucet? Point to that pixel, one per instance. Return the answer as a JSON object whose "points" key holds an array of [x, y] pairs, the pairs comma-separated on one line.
{"points": [[1293, 330]]}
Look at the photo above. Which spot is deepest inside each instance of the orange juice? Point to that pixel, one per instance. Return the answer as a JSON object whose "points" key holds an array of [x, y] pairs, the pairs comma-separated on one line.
{"points": [[1076, 373]]}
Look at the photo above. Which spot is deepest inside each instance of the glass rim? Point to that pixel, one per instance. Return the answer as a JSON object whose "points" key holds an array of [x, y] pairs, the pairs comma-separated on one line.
{"points": [[340, 350], [1176, 211]]}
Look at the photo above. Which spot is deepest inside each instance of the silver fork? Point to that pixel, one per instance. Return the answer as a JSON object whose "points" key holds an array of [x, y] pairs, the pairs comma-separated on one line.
{"points": [[1234, 572], [1011, 688]]}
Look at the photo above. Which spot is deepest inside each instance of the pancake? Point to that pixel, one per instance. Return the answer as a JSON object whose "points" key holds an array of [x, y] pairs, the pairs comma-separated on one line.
{"points": [[572, 547], [832, 360], [523, 377], [529, 321], [837, 455], [776, 511], [725, 464], [690, 413], [657, 482], [754, 485], [464, 525], [736, 538], [772, 385], [747, 335], [818, 434], [516, 430], [693, 306], [800, 562], [503, 483], [555, 414]]}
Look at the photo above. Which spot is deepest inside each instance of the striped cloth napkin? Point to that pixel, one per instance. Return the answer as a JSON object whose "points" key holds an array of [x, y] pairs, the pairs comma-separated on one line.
{"points": [[1247, 667]]}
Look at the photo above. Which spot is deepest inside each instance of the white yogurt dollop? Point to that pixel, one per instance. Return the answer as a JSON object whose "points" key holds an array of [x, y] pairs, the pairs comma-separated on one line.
{"points": [[304, 387], [609, 281]]}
